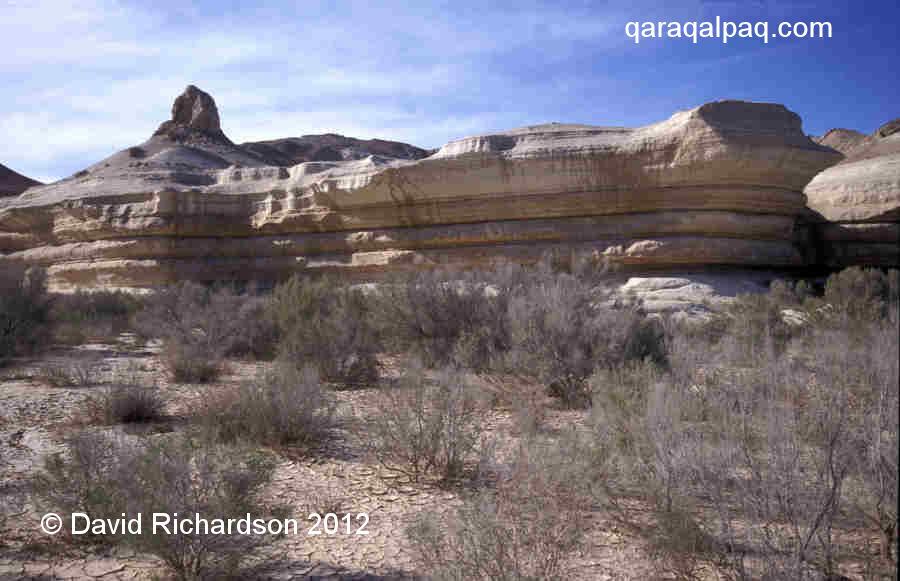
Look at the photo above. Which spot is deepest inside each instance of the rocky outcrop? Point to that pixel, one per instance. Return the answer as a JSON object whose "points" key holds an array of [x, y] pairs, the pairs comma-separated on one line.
{"points": [[194, 117], [855, 205], [12, 183], [720, 184]]}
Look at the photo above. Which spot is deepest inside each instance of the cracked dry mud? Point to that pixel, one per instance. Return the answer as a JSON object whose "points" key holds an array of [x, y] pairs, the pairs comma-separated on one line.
{"points": [[34, 417]]}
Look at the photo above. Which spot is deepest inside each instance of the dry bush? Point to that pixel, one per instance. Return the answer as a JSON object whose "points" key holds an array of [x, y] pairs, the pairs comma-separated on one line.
{"points": [[865, 375], [327, 325], [105, 476], [759, 446], [126, 404], [783, 450], [638, 414], [258, 336], [286, 406], [543, 322], [199, 326], [445, 316], [756, 330], [423, 427], [192, 362], [560, 336], [524, 527], [126, 401], [862, 294], [24, 311]]}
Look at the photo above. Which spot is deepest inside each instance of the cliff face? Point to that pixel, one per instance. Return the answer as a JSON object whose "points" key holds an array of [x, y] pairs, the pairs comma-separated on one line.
{"points": [[855, 205], [718, 184]]}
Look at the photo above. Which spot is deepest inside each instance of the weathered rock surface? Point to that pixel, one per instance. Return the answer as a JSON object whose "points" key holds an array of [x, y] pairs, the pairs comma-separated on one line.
{"points": [[329, 147], [13, 183], [720, 184], [855, 205]]}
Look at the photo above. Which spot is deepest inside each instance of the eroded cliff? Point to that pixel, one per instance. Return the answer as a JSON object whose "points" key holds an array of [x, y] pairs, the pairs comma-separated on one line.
{"points": [[720, 184]]}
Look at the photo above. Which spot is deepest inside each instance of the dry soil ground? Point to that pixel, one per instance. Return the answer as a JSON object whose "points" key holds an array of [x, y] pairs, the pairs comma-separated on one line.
{"points": [[35, 417]]}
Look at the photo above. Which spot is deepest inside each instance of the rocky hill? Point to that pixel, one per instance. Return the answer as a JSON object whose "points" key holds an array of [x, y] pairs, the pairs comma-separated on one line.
{"points": [[720, 184], [12, 183]]}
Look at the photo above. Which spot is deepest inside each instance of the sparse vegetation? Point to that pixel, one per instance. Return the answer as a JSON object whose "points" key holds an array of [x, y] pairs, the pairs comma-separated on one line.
{"points": [[522, 527], [774, 431], [199, 326], [325, 325], [423, 426], [105, 477], [86, 316], [760, 442], [285, 407], [126, 402]]}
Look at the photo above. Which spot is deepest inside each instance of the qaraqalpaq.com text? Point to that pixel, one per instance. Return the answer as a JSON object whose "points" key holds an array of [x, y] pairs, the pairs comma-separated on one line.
{"points": [[725, 30]]}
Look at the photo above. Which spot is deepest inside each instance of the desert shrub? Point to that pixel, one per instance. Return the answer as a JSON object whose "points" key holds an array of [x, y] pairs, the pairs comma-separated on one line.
{"points": [[327, 325], [560, 336], [757, 458], [198, 326], [192, 362], [286, 406], [867, 381], [523, 527], [756, 329], [445, 316], [862, 294], [84, 315], [105, 476], [423, 427], [126, 403], [639, 413], [24, 311], [794, 445], [646, 339], [258, 336]]}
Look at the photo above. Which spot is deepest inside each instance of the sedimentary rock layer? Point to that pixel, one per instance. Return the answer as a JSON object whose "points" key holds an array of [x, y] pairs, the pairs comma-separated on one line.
{"points": [[718, 184], [855, 205]]}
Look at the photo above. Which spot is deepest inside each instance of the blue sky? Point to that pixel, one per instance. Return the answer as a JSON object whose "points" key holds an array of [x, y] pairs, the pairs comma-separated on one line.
{"points": [[80, 80]]}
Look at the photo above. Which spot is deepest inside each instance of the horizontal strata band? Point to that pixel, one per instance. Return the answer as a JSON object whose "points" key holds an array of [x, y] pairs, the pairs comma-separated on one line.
{"points": [[368, 265]]}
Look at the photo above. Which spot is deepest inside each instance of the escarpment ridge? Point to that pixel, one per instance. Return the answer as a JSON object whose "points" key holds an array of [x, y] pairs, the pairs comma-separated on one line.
{"points": [[720, 184]]}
